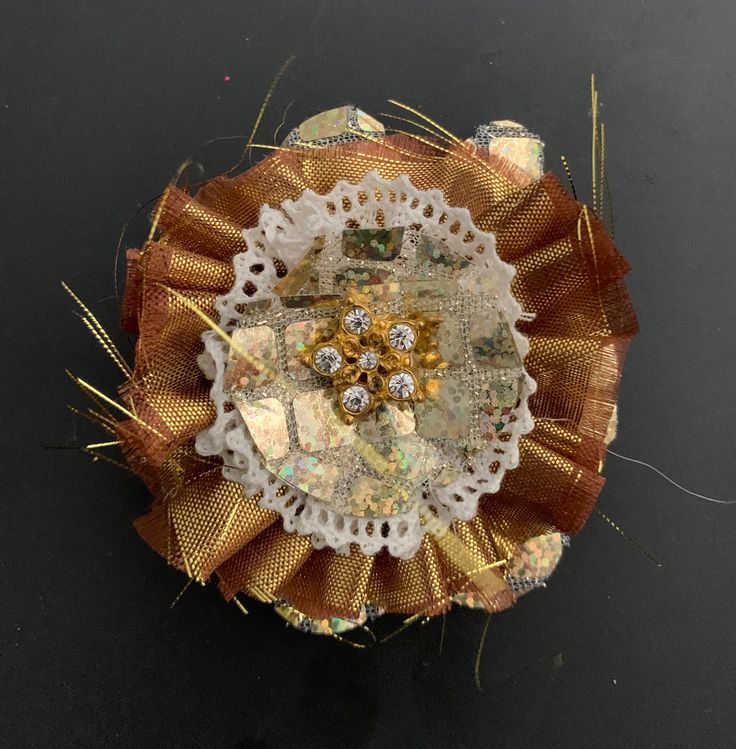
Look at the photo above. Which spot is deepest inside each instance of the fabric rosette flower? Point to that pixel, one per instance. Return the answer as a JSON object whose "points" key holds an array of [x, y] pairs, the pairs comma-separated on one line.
{"points": [[412, 347]]}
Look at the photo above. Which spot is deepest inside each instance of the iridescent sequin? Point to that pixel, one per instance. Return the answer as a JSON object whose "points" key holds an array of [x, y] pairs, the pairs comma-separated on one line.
{"points": [[537, 557], [303, 278], [310, 474], [387, 421], [318, 424], [372, 497], [408, 458], [498, 399], [447, 414], [434, 255], [373, 244], [362, 276], [252, 360], [492, 341], [266, 422], [336, 122], [450, 340]]}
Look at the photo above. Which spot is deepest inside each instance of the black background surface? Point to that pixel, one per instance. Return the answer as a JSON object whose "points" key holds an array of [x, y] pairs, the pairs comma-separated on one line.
{"points": [[100, 102]]}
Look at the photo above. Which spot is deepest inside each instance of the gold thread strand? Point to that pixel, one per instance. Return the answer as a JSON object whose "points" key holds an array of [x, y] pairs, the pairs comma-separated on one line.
{"points": [[93, 417], [634, 543], [479, 654], [240, 606], [181, 593], [569, 176], [424, 117], [594, 139], [426, 129], [602, 175], [284, 67], [90, 388], [112, 443], [100, 333], [405, 625], [106, 459]]}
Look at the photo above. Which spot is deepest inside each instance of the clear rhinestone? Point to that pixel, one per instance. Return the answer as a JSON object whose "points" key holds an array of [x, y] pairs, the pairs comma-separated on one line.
{"points": [[402, 336], [356, 399], [367, 360], [327, 360], [401, 385], [357, 320]]}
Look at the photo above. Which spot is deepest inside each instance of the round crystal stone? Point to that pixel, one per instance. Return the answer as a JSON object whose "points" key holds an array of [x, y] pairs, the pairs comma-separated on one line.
{"points": [[327, 360], [356, 399], [401, 385], [401, 336], [357, 320], [367, 360]]}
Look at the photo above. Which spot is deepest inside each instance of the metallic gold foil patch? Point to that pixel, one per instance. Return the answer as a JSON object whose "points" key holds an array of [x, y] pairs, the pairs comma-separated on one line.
{"points": [[318, 424], [303, 277], [524, 152], [336, 122], [260, 368], [373, 244], [266, 422], [311, 475], [362, 276]]}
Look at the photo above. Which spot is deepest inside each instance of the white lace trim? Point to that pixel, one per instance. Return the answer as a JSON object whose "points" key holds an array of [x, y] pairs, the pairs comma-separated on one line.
{"points": [[280, 236]]}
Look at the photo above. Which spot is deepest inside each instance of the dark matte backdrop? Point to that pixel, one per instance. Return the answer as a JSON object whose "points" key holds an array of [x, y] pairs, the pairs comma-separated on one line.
{"points": [[100, 101]]}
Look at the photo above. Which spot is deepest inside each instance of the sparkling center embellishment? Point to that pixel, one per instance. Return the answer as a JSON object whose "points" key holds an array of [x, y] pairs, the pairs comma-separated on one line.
{"points": [[367, 360], [356, 399], [357, 320], [402, 337], [327, 360], [372, 358], [401, 385]]}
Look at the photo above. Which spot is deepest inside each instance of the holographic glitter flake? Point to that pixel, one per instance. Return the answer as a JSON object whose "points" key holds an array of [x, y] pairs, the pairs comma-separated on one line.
{"points": [[537, 557], [300, 336], [303, 278], [372, 497], [434, 255], [260, 368], [318, 424], [362, 276], [310, 474], [336, 122], [387, 421], [450, 341], [410, 459], [447, 414], [526, 153], [382, 292], [266, 422], [436, 289], [492, 341], [373, 244], [498, 399], [328, 626]]}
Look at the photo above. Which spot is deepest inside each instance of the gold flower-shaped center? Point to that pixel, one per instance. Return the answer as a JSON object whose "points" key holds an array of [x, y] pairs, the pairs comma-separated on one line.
{"points": [[373, 358]]}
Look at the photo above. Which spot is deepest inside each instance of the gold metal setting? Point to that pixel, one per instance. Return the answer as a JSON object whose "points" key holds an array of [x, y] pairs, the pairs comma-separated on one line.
{"points": [[363, 336]]}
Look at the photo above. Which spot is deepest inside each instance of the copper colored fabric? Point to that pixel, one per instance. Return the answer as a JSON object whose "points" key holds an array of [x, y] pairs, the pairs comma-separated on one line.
{"points": [[568, 275]]}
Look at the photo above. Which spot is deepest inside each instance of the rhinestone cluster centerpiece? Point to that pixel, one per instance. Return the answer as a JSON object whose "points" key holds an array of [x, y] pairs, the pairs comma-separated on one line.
{"points": [[373, 358]]}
